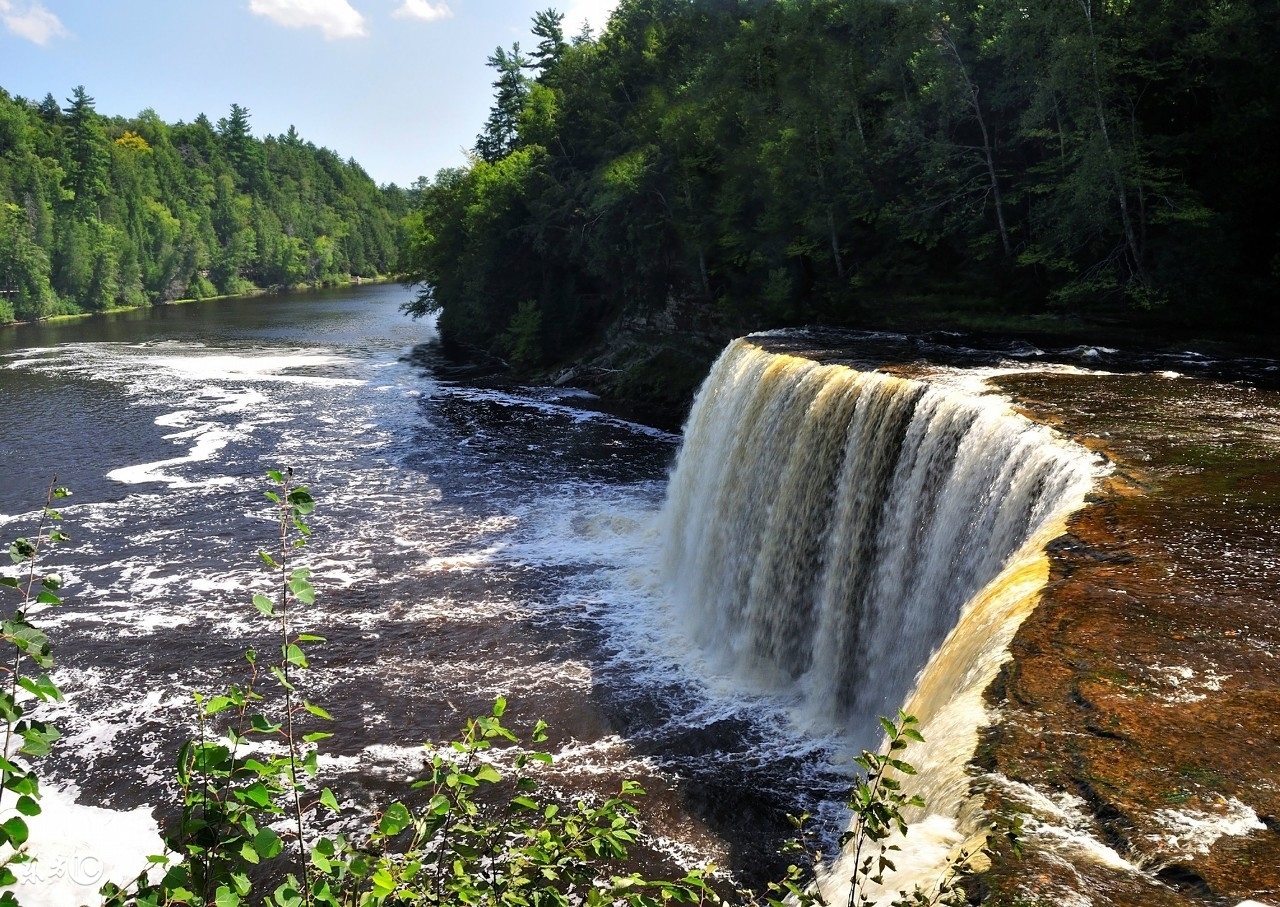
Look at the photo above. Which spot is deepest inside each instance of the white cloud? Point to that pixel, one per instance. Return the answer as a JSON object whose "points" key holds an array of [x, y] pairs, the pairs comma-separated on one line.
{"points": [[595, 12], [334, 18], [31, 21], [425, 10]]}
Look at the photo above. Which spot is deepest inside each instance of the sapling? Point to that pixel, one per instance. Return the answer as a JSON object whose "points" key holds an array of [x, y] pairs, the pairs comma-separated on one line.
{"points": [[25, 737]]}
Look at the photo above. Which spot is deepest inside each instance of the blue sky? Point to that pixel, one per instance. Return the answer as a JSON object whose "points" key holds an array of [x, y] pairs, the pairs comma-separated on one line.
{"points": [[400, 85]]}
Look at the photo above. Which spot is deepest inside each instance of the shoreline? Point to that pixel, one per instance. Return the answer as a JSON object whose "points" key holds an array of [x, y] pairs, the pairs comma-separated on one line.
{"points": [[256, 291]]}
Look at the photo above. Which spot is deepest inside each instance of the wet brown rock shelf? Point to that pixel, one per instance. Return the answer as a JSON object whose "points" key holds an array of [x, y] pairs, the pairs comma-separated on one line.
{"points": [[1139, 719]]}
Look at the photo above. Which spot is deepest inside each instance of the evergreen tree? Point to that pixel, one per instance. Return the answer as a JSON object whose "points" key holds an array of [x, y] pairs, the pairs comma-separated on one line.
{"points": [[87, 157], [502, 130], [547, 25], [97, 213]]}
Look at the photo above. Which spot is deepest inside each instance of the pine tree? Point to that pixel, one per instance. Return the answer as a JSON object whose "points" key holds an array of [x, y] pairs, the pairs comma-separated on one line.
{"points": [[512, 87], [87, 156]]}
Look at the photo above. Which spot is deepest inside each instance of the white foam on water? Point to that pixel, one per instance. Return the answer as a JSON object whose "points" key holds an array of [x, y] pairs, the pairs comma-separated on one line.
{"points": [[1060, 821], [265, 366], [1183, 685], [551, 406], [1193, 831], [209, 441], [77, 848]]}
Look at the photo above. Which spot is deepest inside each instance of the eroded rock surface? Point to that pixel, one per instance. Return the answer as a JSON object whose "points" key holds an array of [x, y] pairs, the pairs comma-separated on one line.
{"points": [[1139, 721]]}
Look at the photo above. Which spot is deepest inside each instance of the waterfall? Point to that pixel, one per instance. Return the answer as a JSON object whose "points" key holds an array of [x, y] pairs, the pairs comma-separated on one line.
{"points": [[848, 535]]}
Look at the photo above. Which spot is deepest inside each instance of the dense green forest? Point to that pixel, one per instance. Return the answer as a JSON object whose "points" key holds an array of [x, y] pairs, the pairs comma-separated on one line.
{"points": [[771, 162], [98, 212]]}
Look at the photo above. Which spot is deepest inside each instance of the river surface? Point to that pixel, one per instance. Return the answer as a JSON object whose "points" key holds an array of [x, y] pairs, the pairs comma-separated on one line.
{"points": [[473, 541], [469, 543]]}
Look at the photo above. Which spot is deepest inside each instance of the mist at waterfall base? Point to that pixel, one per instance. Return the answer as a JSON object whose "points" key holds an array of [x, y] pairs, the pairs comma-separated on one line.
{"points": [[469, 542]]}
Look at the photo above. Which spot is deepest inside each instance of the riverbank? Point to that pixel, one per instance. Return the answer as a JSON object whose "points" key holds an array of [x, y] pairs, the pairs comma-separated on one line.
{"points": [[256, 291], [653, 363]]}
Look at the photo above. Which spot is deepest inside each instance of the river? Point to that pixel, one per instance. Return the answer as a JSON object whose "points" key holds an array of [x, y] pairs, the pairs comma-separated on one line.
{"points": [[468, 543], [1084, 618]]}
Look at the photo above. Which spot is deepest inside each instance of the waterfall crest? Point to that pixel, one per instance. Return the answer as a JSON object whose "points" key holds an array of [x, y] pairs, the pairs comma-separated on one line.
{"points": [[841, 534]]}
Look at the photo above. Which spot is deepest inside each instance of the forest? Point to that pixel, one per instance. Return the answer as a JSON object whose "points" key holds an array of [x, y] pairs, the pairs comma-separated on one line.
{"points": [[755, 163], [99, 212]]}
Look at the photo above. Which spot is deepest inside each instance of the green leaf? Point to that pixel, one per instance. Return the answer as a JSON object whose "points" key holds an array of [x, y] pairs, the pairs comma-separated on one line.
{"points": [[329, 800], [264, 604], [15, 831], [301, 587], [294, 655], [262, 725], [267, 844], [317, 711], [28, 806], [487, 773], [301, 501], [280, 678], [38, 738], [217, 704], [21, 550], [10, 581], [41, 687], [383, 883], [225, 897], [395, 819]]}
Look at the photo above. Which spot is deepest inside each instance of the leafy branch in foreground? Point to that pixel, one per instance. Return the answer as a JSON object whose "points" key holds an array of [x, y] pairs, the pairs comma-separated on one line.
{"points": [[528, 851], [27, 738], [245, 790], [877, 803]]}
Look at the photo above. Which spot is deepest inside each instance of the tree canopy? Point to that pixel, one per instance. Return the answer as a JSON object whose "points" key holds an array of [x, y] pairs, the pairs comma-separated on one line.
{"points": [[99, 212], [771, 162]]}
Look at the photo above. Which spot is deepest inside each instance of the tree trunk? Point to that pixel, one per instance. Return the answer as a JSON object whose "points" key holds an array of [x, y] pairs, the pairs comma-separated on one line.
{"points": [[1131, 238], [987, 152]]}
